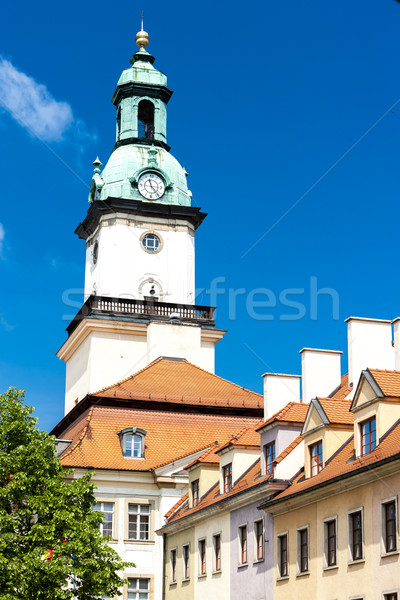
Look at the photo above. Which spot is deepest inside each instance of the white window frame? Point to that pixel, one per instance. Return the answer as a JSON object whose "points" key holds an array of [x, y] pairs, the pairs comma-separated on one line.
{"points": [[384, 552], [138, 590], [101, 525], [173, 580], [240, 549], [325, 542], [138, 515], [200, 574], [255, 546], [351, 560], [306, 528], [183, 562], [214, 569], [278, 554]]}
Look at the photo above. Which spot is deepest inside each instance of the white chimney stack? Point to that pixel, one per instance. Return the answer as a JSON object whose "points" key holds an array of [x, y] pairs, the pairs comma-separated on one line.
{"points": [[320, 372], [370, 345], [278, 391], [396, 339]]}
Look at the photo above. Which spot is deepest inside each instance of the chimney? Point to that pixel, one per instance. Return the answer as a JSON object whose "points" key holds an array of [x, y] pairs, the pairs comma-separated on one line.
{"points": [[320, 372], [396, 343], [370, 345], [278, 391]]}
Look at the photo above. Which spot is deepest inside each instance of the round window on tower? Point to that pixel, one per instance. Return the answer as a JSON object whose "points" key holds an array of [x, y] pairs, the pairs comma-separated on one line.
{"points": [[151, 242]]}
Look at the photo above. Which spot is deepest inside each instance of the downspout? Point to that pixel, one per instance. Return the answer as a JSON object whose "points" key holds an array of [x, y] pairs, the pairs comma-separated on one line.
{"points": [[163, 567]]}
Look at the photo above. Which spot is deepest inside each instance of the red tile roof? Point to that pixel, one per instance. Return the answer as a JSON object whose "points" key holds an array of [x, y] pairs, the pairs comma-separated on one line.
{"points": [[209, 457], [293, 412], [337, 411], [388, 381], [171, 435], [344, 389], [247, 437], [343, 463], [180, 382]]}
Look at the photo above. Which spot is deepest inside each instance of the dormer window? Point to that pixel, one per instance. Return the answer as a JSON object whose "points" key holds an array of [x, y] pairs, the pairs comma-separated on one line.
{"points": [[368, 436], [132, 442], [316, 458], [269, 457], [227, 477]]}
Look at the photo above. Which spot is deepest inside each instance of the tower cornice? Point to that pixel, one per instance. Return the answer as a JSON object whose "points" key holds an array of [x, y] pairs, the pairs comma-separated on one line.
{"points": [[127, 90], [136, 207]]}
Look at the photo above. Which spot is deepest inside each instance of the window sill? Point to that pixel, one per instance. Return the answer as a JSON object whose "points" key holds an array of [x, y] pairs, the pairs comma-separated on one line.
{"points": [[141, 542], [283, 578], [172, 583], [392, 553], [258, 560], [186, 579], [202, 576], [331, 568], [243, 565], [356, 562], [218, 572], [303, 574]]}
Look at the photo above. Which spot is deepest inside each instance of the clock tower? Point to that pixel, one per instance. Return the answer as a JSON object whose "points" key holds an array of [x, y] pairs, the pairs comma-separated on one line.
{"points": [[140, 253]]}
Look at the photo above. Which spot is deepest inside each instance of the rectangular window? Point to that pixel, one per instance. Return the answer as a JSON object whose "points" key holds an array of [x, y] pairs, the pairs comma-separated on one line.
{"points": [[330, 542], [316, 458], [217, 552], [389, 526], [195, 492], [139, 522], [138, 589], [302, 550], [391, 596], [107, 508], [227, 477], [356, 535], [173, 565], [269, 450], [202, 557], [186, 561], [368, 436], [259, 539], [283, 555], [242, 531]]}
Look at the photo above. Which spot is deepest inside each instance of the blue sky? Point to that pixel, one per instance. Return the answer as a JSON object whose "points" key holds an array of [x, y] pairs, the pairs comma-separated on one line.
{"points": [[267, 98]]}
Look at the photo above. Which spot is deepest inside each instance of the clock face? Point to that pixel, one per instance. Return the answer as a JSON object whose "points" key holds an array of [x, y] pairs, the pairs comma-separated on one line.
{"points": [[151, 186]]}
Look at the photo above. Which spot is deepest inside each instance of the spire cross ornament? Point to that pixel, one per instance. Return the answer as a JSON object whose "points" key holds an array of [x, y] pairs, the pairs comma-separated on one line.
{"points": [[142, 37]]}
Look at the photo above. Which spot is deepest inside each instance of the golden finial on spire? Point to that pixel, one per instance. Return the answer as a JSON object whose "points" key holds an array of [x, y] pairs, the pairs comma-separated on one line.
{"points": [[142, 37]]}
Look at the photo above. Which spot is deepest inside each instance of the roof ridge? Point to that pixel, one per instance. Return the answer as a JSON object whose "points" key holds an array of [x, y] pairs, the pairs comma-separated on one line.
{"points": [[384, 370], [129, 376], [222, 378]]}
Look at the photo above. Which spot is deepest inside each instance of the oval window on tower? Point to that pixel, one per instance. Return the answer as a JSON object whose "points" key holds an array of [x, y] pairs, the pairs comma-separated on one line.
{"points": [[151, 242]]}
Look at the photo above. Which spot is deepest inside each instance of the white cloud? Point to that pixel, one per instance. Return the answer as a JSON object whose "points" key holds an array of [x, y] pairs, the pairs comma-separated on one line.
{"points": [[31, 105], [4, 323], [2, 234]]}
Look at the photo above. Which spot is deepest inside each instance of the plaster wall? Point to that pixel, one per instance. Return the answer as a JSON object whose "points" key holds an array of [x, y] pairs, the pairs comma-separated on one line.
{"points": [[182, 589], [124, 269], [123, 488], [283, 436], [183, 341], [208, 475], [331, 438], [320, 372], [103, 358], [213, 585], [278, 391], [254, 581], [386, 413], [367, 578], [241, 460]]}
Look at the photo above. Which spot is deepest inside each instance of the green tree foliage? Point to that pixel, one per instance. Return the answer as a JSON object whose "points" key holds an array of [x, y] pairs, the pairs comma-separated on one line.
{"points": [[41, 512]]}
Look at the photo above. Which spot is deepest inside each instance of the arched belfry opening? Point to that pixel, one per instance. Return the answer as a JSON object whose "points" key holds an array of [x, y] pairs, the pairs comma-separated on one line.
{"points": [[146, 120]]}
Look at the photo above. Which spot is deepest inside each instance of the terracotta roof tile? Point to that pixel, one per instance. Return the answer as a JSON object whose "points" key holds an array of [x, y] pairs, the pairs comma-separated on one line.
{"points": [[171, 435], [293, 412], [247, 437], [388, 381], [179, 381], [343, 463], [344, 389], [337, 411], [176, 506], [209, 457], [249, 479]]}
